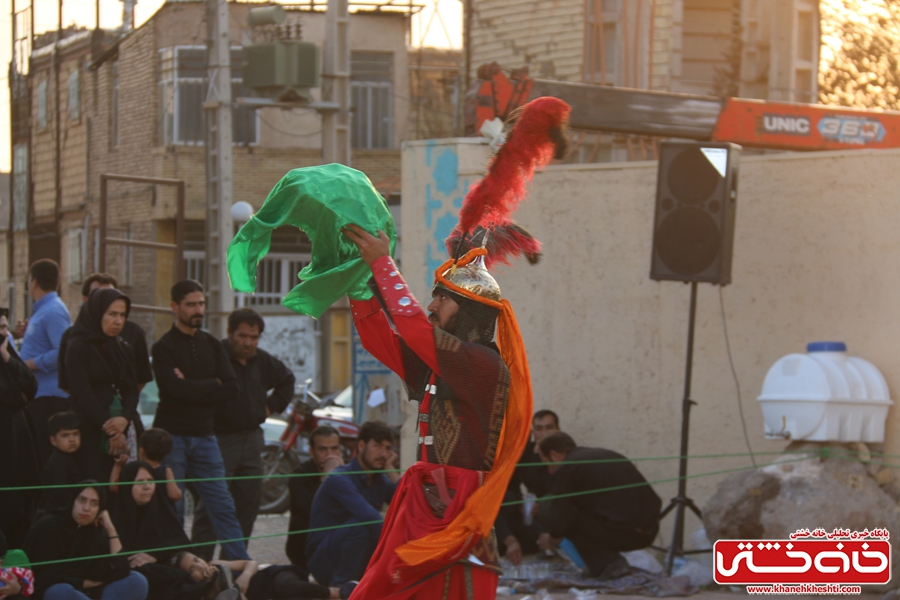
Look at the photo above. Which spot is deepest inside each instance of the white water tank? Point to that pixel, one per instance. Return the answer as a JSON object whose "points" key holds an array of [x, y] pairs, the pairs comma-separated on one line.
{"points": [[825, 396]]}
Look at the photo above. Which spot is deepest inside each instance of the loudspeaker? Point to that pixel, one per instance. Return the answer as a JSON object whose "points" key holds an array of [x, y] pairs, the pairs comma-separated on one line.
{"points": [[696, 196]]}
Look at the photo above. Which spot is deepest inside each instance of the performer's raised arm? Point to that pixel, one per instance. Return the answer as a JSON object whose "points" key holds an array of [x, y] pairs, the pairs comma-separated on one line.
{"points": [[415, 329], [376, 334]]}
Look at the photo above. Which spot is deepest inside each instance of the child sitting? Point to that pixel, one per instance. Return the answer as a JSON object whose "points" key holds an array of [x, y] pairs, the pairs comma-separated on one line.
{"points": [[153, 447], [63, 466], [15, 580]]}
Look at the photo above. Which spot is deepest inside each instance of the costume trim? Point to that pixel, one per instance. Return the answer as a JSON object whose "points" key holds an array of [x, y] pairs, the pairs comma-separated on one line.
{"points": [[397, 297]]}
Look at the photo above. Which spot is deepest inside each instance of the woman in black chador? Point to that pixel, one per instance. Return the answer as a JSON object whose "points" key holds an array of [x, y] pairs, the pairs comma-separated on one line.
{"points": [[18, 465], [149, 529], [102, 380], [81, 530]]}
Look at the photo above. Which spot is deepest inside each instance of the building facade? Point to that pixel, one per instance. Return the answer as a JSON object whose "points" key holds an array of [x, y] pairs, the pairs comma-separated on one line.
{"points": [[765, 49], [132, 104]]}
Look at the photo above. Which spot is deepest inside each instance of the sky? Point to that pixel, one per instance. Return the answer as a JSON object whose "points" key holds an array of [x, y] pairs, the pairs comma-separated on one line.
{"points": [[81, 12]]}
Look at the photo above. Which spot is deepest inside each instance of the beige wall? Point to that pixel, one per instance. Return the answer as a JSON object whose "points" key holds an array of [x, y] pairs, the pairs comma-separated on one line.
{"points": [[816, 257]]}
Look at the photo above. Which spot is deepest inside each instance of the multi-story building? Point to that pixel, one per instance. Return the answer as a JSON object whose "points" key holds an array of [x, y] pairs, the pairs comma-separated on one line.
{"points": [[132, 104], [766, 49]]}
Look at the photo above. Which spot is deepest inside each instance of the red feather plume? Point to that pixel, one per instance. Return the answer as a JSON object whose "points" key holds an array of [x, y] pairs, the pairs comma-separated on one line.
{"points": [[530, 144], [503, 242], [537, 137]]}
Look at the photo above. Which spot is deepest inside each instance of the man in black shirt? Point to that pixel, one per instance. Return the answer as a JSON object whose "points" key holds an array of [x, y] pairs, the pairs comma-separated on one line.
{"points": [[194, 376], [601, 524], [131, 334], [325, 455], [516, 532], [238, 420]]}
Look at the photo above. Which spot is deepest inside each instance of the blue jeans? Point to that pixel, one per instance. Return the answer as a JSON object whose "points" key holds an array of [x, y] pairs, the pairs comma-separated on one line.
{"points": [[133, 587], [199, 457]]}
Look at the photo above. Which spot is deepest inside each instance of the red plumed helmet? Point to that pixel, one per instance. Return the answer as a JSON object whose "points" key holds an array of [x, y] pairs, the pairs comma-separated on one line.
{"points": [[537, 137]]}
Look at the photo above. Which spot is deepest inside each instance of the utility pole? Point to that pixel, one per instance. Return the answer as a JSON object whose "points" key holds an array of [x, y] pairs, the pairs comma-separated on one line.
{"points": [[336, 84], [219, 225]]}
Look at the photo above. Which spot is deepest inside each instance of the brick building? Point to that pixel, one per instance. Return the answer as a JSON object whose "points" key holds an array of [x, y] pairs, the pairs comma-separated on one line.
{"points": [[100, 102], [770, 50]]}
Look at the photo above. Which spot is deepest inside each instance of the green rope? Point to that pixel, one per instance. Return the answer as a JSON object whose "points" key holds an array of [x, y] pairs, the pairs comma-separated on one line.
{"points": [[23, 488], [345, 526]]}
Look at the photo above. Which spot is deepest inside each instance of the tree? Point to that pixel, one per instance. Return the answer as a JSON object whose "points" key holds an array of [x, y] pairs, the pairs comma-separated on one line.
{"points": [[860, 56]]}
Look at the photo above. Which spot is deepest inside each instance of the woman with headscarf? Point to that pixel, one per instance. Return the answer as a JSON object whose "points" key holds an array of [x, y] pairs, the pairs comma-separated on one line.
{"points": [[18, 465], [102, 380], [147, 525], [81, 530]]}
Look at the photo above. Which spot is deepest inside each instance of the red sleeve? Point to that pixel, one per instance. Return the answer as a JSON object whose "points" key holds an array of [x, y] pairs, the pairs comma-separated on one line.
{"points": [[409, 319], [376, 334]]}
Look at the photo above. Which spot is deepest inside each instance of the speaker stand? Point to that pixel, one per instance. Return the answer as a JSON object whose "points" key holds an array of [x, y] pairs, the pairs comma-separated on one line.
{"points": [[682, 501]]}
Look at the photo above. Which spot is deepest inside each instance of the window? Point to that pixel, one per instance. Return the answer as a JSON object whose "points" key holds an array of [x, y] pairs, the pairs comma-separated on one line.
{"points": [[42, 104], [276, 274], [600, 52], [75, 94], [114, 107], [182, 90], [20, 187], [127, 254], [74, 255], [371, 95]]}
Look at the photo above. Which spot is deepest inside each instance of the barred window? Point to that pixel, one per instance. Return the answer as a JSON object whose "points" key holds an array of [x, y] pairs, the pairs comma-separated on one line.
{"points": [[600, 55], [182, 90], [75, 94], [75, 255], [42, 103], [371, 95], [276, 274]]}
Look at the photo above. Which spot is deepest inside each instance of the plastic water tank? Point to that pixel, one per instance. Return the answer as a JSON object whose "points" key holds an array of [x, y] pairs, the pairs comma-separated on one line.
{"points": [[825, 395]]}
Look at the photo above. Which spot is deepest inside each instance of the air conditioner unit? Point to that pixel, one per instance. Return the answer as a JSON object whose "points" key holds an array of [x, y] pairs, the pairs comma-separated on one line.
{"points": [[284, 70]]}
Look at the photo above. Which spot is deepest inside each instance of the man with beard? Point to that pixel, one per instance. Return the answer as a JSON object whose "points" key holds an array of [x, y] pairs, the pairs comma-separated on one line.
{"points": [[518, 534], [194, 376], [352, 496], [463, 358], [237, 421], [324, 457]]}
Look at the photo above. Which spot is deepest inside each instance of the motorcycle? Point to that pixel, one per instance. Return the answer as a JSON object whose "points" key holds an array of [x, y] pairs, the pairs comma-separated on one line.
{"points": [[306, 412]]}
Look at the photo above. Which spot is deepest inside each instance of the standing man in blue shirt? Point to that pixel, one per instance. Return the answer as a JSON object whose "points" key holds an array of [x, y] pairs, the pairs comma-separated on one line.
{"points": [[339, 556], [40, 349]]}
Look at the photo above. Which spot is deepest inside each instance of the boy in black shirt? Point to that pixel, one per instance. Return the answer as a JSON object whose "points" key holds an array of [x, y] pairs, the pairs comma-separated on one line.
{"points": [[153, 448], [63, 467]]}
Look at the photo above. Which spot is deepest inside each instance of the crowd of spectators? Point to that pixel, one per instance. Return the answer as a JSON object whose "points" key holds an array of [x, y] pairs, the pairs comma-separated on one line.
{"points": [[109, 523]]}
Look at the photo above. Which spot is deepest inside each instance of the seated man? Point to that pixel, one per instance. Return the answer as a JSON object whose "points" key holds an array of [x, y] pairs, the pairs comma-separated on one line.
{"points": [[340, 555], [325, 456], [518, 533], [605, 523]]}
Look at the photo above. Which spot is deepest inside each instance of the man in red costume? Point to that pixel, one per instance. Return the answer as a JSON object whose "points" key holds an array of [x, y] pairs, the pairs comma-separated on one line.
{"points": [[466, 364]]}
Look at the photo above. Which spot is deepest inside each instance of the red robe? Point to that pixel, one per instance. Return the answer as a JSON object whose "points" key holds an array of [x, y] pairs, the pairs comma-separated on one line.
{"points": [[463, 391]]}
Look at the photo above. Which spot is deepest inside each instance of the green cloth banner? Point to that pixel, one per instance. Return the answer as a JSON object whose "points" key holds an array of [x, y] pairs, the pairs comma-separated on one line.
{"points": [[320, 201]]}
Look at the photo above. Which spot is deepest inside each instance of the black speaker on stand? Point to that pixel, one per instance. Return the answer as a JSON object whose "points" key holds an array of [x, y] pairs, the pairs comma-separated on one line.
{"points": [[693, 238]]}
